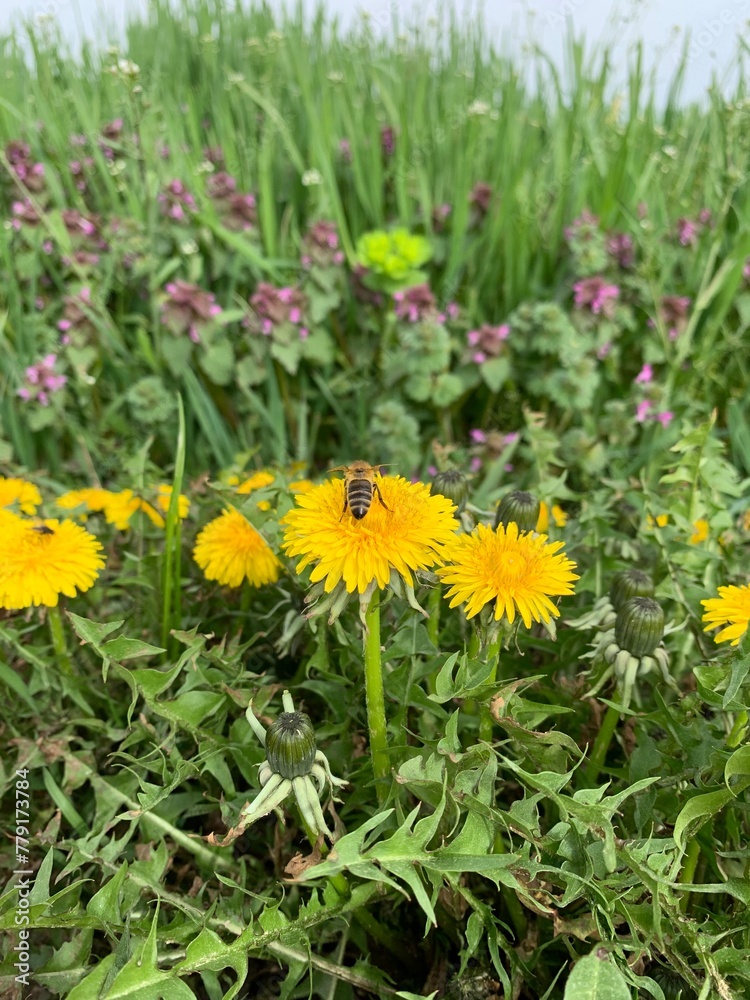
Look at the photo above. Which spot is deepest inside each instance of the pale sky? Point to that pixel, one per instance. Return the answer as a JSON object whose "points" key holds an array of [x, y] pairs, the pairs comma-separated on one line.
{"points": [[714, 25]]}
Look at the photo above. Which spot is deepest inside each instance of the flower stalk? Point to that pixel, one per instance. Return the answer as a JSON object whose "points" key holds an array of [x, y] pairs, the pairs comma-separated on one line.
{"points": [[375, 697]]}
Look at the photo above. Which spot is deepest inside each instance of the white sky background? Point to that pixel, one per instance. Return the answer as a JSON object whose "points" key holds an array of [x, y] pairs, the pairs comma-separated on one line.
{"points": [[714, 26]]}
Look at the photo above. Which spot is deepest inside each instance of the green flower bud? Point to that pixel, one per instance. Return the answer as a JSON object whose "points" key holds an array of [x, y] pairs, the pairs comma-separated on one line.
{"points": [[290, 745], [451, 484], [630, 583], [518, 506], [639, 626]]}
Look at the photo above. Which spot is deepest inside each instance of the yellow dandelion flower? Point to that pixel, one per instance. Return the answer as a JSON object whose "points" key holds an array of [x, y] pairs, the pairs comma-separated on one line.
{"points": [[121, 506], [407, 537], [263, 505], [38, 562], [256, 482], [301, 486], [660, 521], [519, 572], [20, 492], [559, 517], [229, 550], [700, 531], [730, 608], [164, 495], [8, 520], [92, 499]]}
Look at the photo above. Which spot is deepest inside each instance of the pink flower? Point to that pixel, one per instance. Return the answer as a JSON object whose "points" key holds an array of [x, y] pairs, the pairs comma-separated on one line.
{"points": [[687, 232], [479, 357], [642, 410], [645, 375], [476, 464], [596, 295], [478, 436], [41, 381], [665, 417], [511, 438], [188, 309], [490, 340], [415, 304]]}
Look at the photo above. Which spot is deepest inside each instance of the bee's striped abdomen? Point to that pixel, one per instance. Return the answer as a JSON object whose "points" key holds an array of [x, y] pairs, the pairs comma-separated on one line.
{"points": [[360, 497]]}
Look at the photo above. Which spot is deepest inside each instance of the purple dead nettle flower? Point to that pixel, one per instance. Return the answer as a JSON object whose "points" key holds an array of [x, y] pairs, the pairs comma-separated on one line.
{"points": [[687, 232], [188, 309], [480, 199], [273, 306], [596, 295], [440, 215], [415, 304], [604, 350], [583, 228], [645, 376], [487, 342], [80, 170], [76, 326], [320, 246], [41, 381], [214, 154], [176, 201], [475, 464], [620, 249], [79, 225], [221, 186], [29, 175], [478, 436], [642, 410], [674, 314], [24, 214], [111, 133], [388, 140]]}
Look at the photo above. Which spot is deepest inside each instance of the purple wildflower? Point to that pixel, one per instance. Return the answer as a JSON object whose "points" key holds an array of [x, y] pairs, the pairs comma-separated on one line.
{"points": [[176, 201], [645, 376], [415, 304], [188, 309], [620, 248], [273, 306], [488, 341], [41, 381], [320, 246], [596, 295]]}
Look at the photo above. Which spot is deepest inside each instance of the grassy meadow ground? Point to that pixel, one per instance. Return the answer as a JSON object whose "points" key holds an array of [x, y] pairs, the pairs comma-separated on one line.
{"points": [[483, 741]]}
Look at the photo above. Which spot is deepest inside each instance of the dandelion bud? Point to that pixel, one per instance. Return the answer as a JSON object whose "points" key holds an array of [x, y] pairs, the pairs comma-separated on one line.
{"points": [[290, 745], [630, 583], [639, 626], [451, 484], [519, 507]]}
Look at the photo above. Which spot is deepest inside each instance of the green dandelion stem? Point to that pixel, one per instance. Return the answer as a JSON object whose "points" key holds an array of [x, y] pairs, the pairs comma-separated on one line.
{"points": [[433, 610], [375, 698], [59, 645], [486, 722], [687, 875], [601, 744]]}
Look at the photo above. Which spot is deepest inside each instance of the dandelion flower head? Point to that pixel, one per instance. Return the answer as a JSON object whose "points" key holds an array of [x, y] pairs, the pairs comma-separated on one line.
{"points": [[230, 550], [38, 562], [730, 608], [520, 572], [409, 536], [18, 491]]}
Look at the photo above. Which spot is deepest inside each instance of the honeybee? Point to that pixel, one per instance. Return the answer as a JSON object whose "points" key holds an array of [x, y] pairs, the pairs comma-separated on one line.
{"points": [[41, 528], [359, 488]]}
